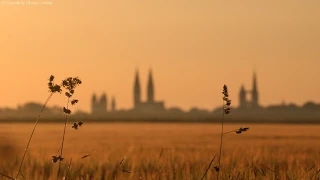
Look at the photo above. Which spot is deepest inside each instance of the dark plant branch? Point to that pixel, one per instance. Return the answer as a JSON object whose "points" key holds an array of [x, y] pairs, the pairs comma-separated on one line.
{"points": [[204, 175], [238, 131], [226, 102], [83, 177], [7, 176], [53, 88], [33, 130], [63, 136], [69, 84]]}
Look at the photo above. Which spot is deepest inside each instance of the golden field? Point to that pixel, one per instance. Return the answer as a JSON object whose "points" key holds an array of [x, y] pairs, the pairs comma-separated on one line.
{"points": [[263, 152]]}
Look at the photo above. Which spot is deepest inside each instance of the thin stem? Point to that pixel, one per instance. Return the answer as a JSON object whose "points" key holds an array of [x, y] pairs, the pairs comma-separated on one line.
{"points": [[6, 176], [231, 131], [64, 132], [221, 137], [35, 125], [83, 177], [157, 167], [68, 169], [208, 167]]}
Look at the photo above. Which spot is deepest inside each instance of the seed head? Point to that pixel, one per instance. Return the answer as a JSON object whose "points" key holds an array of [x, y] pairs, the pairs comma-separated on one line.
{"points": [[226, 99], [75, 126], [225, 91], [75, 101], [53, 87], [226, 110], [51, 78], [240, 130], [67, 111], [228, 102], [57, 158]]}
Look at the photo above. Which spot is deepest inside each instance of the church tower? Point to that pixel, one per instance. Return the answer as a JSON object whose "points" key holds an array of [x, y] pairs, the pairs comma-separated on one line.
{"points": [[150, 89], [103, 103], [136, 91], [255, 95], [113, 105], [94, 104], [242, 97]]}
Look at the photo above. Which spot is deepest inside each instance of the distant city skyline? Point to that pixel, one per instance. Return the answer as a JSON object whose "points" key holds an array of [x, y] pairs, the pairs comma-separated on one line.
{"points": [[192, 47], [101, 103], [104, 108]]}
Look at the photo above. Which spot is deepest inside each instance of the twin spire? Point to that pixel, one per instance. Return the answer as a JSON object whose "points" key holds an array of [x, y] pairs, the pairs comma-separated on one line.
{"points": [[137, 89], [254, 103]]}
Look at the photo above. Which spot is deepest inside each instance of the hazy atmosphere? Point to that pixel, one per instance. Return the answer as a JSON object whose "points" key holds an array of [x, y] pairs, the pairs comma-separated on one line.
{"points": [[167, 89], [192, 47]]}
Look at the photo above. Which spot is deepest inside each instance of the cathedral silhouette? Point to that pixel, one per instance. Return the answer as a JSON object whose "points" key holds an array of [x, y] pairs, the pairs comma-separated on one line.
{"points": [[99, 106], [150, 105], [244, 103]]}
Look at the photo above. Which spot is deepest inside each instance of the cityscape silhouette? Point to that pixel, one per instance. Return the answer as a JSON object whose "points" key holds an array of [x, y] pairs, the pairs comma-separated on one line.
{"points": [[248, 110]]}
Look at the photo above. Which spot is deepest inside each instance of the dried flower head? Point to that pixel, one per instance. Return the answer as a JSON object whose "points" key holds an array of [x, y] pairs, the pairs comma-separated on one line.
{"points": [[71, 83], [228, 102], [225, 98], [51, 78], [67, 111], [75, 126], [53, 87], [225, 91], [57, 158], [74, 101], [226, 110], [240, 130]]}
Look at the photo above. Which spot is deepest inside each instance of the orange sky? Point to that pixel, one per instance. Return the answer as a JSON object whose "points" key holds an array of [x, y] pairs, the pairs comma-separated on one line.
{"points": [[193, 47]]}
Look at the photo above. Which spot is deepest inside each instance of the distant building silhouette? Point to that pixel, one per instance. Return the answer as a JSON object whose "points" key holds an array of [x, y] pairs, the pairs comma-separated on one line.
{"points": [[113, 105], [244, 103], [254, 93], [99, 107], [249, 109], [150, 89], [136, 91], [150, 104]]}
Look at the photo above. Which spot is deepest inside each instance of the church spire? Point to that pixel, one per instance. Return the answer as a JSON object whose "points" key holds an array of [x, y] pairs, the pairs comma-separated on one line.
{"points": [[103, 103], [94, 103], [113, 104], [255, 96], [150, 88], [242, 97], [136, 90]]}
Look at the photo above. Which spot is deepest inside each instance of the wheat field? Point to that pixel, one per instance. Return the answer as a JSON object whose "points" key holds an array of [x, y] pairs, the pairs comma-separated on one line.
{"points": [[162, 151]]}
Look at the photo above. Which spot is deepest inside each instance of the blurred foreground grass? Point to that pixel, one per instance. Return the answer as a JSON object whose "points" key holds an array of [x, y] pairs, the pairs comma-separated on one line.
{"points": [[264, 152]]}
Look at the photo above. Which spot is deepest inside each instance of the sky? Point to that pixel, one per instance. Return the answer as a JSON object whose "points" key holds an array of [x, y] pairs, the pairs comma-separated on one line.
{"points": [[193, 48]]}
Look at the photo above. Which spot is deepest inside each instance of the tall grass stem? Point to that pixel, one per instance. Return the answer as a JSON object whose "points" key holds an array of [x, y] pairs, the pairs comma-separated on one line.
{"points": [[34, 128], [63, 136], [221, 138]]}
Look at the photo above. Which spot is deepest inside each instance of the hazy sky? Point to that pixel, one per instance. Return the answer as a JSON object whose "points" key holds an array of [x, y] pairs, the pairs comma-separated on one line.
{"points": [[193, 47]]}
